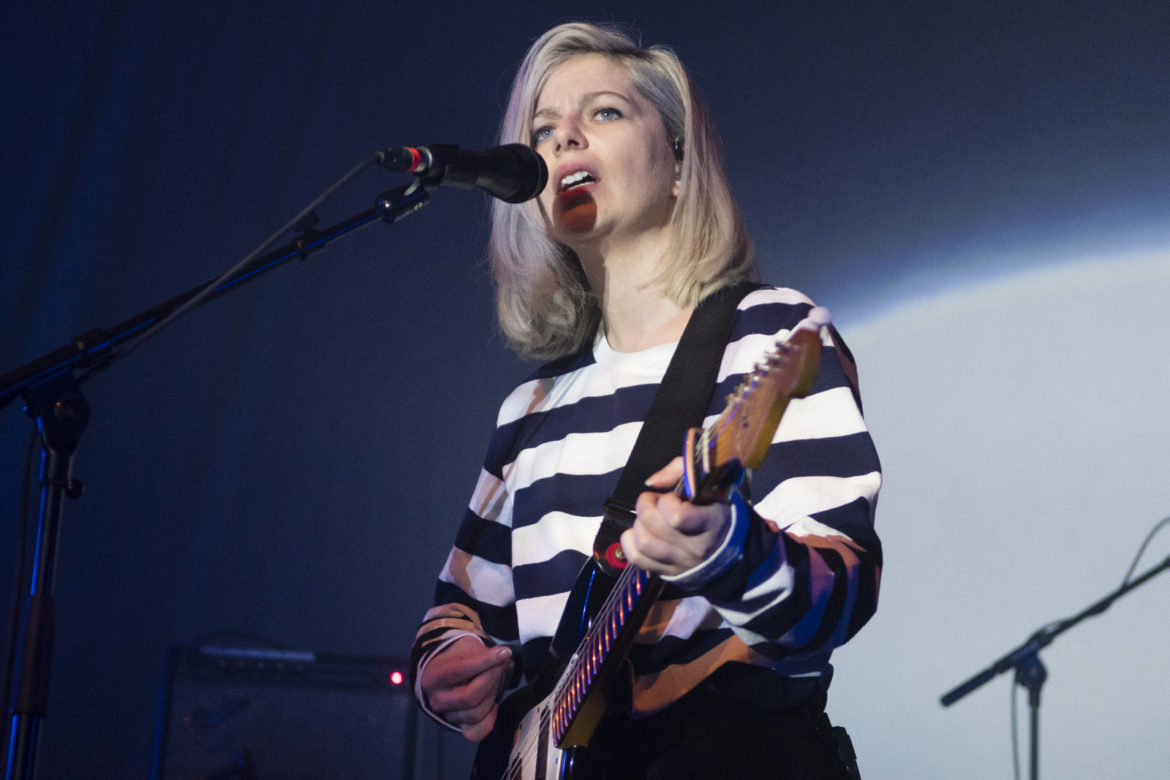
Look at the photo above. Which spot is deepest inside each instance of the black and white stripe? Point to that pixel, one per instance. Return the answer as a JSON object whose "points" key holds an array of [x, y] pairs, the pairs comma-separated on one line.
{"points": [[809, 576]]}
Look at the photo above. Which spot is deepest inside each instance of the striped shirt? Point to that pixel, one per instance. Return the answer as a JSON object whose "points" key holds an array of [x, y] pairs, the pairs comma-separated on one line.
{"points": [[808, 575]]}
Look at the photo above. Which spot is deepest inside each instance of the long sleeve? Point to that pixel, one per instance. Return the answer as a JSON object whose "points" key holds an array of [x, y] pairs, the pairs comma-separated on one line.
{"points": [[811, 562], [474, 595]]}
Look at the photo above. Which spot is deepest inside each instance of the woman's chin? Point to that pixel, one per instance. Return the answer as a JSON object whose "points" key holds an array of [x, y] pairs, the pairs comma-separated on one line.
{"points": [[575, 215]]}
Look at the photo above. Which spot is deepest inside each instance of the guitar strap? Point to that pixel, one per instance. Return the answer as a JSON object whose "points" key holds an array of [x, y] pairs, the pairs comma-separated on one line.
{"points": [[680, 404]]}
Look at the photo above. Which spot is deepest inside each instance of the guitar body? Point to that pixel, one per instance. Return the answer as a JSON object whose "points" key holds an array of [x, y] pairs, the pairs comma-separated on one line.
{"points": [[521, 745]]}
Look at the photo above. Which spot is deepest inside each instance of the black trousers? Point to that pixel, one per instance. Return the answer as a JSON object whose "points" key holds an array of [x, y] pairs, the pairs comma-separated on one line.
{"points": [[707, 734]]}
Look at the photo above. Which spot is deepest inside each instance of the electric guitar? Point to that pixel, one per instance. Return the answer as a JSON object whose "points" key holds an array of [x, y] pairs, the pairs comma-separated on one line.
{"points": [[543, 731]]}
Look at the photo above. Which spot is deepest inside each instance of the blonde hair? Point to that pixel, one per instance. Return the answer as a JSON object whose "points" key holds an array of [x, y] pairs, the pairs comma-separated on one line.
{"points": [[543, 302]]}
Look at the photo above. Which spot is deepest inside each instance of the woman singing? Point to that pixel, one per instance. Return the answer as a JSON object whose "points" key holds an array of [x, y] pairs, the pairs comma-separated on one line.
{"points": [[599, 277]]}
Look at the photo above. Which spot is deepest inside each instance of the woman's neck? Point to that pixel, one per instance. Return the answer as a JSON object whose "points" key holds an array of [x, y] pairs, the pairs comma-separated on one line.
{"points": [[634, 306], [643, 322]]}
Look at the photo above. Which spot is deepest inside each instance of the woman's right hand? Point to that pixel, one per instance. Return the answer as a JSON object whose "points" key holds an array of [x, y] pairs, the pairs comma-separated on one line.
{"points": [[461, 684]]}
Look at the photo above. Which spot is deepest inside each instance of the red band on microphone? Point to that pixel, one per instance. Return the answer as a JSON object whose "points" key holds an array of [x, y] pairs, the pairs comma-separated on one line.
{"points": [[415, 160]]}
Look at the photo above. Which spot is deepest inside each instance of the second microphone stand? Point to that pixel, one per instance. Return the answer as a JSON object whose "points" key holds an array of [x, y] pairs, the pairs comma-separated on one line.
{"points": [[1030, 672]]}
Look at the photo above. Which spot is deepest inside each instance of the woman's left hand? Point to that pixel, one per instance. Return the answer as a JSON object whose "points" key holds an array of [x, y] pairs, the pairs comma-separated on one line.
{"points": [[670, 535]]}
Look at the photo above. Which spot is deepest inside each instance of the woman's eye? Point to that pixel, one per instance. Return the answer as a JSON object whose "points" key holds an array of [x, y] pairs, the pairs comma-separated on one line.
{"points": [[607, 114], [541, 134]]}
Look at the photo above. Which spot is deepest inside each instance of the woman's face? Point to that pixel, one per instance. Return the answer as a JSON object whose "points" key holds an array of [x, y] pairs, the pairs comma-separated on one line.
{"points": [[612, 174]]}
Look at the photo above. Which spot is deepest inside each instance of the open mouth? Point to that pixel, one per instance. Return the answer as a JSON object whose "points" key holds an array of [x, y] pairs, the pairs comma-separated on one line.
{"points": [[575, 180]]}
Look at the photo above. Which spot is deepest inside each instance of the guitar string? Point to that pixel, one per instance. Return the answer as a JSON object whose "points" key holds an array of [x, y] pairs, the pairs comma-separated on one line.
{"points": [[624, 581]]}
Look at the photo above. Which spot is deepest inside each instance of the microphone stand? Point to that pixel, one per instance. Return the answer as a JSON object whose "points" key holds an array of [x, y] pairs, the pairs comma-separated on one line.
{"points": [[1030, 672], [51, 388]]}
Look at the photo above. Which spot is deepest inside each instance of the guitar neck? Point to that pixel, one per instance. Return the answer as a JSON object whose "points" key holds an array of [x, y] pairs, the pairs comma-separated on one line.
{"points": [[578, 698]]}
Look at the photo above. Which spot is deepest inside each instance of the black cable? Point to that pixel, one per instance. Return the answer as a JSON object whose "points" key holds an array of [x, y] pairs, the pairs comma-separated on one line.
{"points": [[18, 573], [1157, 527]]}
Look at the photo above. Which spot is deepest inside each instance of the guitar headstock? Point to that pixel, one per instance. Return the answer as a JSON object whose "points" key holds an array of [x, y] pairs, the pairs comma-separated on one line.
{"points": [[744, 430], [754, 410]]}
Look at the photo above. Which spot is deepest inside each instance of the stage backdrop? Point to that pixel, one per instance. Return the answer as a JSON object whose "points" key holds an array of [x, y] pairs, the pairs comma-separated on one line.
{"points": [[978, 191]]}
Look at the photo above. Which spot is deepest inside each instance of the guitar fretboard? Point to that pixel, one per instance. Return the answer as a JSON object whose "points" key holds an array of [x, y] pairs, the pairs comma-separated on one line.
{"points": [[613, 617]]}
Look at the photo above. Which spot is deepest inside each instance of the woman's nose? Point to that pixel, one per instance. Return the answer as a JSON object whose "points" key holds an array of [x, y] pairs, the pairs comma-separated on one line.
{"points": [[568, 135]]}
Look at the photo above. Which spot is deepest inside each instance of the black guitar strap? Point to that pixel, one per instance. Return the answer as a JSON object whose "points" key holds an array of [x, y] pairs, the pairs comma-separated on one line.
{"points": [[680, 404]]}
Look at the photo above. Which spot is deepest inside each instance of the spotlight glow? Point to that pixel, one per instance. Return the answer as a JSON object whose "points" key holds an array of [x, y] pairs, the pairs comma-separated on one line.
{"points": [[1022, 422]]}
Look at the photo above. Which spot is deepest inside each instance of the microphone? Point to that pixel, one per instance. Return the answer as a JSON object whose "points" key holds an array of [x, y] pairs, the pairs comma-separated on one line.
{"points": [[513, 173]]}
